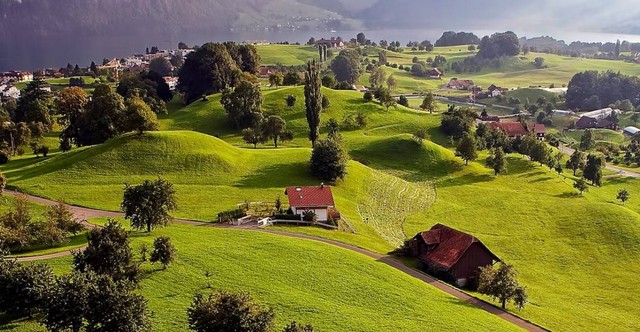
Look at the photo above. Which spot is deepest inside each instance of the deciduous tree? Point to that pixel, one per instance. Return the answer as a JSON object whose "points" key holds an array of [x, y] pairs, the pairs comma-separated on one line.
{"points": [[428, 103], [163, 252], [577, 161], [593, 169], [502, 284], [243, 104], [467, 149], [581, 185], [140, 117], [328, 160], [108, 252], [148, 205], [623, 196], [497, 160], [226, 311]]}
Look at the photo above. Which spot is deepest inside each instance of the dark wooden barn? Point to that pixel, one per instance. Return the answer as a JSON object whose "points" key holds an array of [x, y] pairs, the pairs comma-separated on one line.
{"points": [[451, 255]]}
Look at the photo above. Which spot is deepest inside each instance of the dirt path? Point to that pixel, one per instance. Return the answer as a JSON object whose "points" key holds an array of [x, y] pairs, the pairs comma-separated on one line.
{"points": [[621, 172], [87, 213]]}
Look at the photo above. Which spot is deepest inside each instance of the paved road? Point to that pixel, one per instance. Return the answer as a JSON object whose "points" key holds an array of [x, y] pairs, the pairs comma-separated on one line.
{"points": [[619, 171], [86, 213]]}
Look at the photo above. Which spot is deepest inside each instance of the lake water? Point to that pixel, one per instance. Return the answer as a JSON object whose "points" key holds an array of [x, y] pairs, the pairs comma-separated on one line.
{"points": [[32, 54]]}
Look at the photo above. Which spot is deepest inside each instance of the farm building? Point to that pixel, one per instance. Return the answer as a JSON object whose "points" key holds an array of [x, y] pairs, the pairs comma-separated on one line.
{"points": [[457, 84], [600, 114], [631, 131], [318, 200], [435, 73], [331, 43], [511, 129], [540, 131], [495, 91], [451, 254], [593, 123]]}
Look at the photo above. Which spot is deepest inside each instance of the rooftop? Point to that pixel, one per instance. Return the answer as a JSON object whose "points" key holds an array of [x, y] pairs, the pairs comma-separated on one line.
{"points": [[301, 197], [451, 245]]}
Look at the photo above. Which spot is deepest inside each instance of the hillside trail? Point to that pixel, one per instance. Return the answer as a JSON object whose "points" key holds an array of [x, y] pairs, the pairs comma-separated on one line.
{"points": [[88, 213]]}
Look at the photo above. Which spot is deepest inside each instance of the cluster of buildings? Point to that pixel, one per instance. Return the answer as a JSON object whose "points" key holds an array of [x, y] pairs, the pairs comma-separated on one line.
{"points": [[476, 90], [515, 129], [444, 252], [598, 119]]}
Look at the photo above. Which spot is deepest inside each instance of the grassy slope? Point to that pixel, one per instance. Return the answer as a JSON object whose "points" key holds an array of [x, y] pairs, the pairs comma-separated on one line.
{"points": [[288, 55], [575, 238], [331, 288]]}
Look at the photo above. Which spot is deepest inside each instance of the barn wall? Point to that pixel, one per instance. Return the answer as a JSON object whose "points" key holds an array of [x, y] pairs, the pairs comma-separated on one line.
{"points": [[469, 264]]}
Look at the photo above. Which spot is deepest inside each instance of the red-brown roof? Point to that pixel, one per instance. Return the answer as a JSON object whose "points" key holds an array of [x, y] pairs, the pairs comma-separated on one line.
{"points": [[539, 128], [451, 245], [512, 129], [304, 197]]}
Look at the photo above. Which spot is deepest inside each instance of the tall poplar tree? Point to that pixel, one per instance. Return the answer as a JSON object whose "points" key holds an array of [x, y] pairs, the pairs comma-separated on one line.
{"points": [[313, 99]]}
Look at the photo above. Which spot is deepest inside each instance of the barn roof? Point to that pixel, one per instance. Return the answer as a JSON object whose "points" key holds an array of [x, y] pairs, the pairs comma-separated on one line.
{"points": [[539, 128], [512, 129], [451, 245], [304, 197]]}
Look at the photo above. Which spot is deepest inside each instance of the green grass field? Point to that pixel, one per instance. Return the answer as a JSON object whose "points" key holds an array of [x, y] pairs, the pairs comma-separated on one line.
{"points": [[288, 55], [331, 288], [576, 255]]}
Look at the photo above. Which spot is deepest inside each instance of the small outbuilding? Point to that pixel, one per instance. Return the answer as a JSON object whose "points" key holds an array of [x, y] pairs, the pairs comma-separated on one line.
{"points": [[631, 131], [318, 200], [451, 255]]}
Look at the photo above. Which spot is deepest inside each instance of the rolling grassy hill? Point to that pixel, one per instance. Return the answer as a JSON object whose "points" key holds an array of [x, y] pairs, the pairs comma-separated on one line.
{"points": [[576, 254], [331, 288]]}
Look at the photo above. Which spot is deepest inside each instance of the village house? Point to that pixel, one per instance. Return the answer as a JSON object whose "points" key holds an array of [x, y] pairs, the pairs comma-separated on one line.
{"points": [[511, 129], [540, 131], [172, 82], [331, 43], [359, 88], [495, 91], [435, 73], [265, 72], [451, 255], [318, 200], [9, 91], [457, 84], [18, 76]]}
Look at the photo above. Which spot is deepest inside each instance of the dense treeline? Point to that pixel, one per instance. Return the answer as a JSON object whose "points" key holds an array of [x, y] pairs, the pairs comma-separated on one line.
{"points": [[597, 50], [214, 67], [499, 44], [451, 38], [592, 90]]}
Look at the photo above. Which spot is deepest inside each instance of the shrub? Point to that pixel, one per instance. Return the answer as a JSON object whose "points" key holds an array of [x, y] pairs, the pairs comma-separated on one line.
{"points": [[325, 102], [291, 216], [310, 216], [343, 86], [291, 100], [4, 157], [228, 216], [368, 96]]}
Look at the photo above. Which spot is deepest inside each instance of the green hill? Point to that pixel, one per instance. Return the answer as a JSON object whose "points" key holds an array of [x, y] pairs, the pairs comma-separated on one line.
{"points": [[331, 288]]}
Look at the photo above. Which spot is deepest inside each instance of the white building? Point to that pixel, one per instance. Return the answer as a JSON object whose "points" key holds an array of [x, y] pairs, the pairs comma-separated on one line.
{"points": [[601, 114], [9, 91], [318, 200], [631, 131]]}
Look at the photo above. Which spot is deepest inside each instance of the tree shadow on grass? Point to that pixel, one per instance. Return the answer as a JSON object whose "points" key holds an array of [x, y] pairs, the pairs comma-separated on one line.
{"points": [[279, 176], [464, 180], [570, 194]]}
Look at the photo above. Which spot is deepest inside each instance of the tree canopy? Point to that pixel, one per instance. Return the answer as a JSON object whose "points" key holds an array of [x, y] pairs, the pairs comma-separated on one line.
{"points": [[451, 38], [148, 205]]}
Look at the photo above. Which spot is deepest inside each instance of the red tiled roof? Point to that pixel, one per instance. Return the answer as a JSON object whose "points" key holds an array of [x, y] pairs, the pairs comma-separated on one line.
{"points": [[539, 128], [512, 129], [301, 197], [451, 245]]}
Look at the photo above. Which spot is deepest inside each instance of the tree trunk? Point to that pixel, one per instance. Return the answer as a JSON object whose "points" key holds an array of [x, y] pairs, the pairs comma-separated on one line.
{"points": [[275, 142], [504, 304], [148, 227]]}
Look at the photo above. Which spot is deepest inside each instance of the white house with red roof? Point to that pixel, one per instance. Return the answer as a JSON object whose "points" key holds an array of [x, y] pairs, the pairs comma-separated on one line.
{"points": [[318, 200]]}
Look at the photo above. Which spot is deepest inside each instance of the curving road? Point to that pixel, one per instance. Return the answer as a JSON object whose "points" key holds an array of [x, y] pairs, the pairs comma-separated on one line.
{"points": [[87, 213], [619, 171]]}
